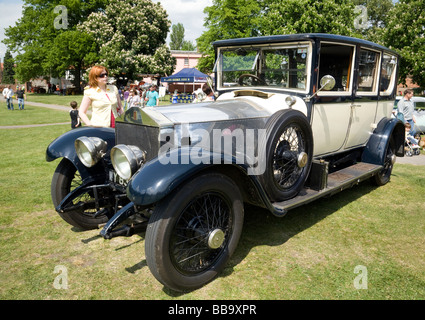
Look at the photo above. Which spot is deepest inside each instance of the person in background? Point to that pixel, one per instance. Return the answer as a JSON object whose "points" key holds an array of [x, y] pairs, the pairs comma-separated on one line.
{"points": [[9, 97], [208, 92], [133, 99], [152, 97], [20, 95], [4, 92], [102, 98], [125, 96], [75, 119], [406, 107]]}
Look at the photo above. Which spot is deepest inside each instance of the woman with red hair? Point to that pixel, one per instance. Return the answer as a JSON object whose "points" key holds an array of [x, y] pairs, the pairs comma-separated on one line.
{"points": [[103, 98]]}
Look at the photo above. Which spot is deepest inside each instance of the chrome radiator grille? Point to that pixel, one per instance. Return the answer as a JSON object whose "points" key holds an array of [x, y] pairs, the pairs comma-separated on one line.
{"points": [[144, 137]]}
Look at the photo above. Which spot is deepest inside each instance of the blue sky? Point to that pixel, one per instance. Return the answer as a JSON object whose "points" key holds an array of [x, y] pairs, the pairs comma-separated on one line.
{"points": [[188, 12]]}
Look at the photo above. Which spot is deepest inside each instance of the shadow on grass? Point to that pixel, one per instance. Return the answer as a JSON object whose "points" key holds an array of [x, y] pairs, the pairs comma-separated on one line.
{"points": [[262, 228]]}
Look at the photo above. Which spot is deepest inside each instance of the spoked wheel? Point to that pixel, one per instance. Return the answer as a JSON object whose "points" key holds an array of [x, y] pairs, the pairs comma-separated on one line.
{"points": [[65, 179], [289, 151], [194, 231], [383, 177]]}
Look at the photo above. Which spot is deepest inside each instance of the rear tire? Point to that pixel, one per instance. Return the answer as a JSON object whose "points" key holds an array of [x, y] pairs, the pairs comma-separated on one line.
{"points": [[383, 177]]}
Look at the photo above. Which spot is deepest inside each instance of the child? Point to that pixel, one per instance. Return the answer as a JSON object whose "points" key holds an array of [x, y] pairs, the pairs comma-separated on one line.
{"points": [[75, 119]]}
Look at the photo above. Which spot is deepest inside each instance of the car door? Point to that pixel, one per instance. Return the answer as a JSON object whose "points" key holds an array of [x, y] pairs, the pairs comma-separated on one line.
{"points": [[331, 112], [364, 107]]}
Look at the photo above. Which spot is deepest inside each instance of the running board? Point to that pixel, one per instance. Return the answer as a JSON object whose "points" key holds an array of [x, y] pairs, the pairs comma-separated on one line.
{"points": [[336, 182]]}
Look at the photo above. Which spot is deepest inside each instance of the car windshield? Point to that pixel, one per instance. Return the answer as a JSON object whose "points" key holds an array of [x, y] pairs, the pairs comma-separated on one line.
{"points": [[278, 67]]}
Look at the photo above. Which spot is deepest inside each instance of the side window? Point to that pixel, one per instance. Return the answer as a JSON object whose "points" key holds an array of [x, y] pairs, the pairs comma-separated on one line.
{"points": [[388, 67], [337, 60], [368, 71]]}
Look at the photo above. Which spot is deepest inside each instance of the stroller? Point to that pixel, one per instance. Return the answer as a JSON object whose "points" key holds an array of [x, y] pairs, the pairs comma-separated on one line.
{"points": [[411, 147]]}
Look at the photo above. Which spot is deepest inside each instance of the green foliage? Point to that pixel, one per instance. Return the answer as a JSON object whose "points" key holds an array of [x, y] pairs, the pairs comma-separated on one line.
{"points": [[177, 36], [247, 18], [177, 39], [405, 33], [131, 37], [305, 16], [227, 19], [377, 18], [35, 37], [72, 48], [8, 72], [188, 46]]}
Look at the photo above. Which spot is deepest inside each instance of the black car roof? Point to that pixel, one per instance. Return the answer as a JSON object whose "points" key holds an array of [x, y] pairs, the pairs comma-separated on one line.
{"points": [[299, 37]]}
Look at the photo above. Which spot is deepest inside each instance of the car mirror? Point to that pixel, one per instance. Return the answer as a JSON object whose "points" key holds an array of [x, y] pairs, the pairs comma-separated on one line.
{"points": [[327, 83]]}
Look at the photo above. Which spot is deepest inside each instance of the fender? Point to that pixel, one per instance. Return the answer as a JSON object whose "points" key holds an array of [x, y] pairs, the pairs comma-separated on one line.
{"points": [[160, 176], [376, 147], [63, 147]]}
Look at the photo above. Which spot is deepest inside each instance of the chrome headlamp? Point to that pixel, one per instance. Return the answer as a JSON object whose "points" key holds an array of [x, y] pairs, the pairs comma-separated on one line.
{"points": [[290, 101], [90, 150], [127, 160]]}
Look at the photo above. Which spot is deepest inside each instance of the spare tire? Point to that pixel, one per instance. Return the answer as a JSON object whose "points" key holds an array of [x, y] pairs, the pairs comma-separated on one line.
{"points": [[288, 153]]}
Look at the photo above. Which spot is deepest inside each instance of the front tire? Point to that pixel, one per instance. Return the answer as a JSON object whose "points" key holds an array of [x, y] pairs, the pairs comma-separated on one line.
{"points": [[65, 179], [194, 231]]}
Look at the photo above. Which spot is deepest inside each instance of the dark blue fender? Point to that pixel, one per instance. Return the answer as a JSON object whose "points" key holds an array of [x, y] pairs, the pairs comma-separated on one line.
{"points": [[157, 179], [387, 129], [63, 147]]}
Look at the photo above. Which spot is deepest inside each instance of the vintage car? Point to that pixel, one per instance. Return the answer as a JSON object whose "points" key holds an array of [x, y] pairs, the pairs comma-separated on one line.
{"points": [[296, 118]]}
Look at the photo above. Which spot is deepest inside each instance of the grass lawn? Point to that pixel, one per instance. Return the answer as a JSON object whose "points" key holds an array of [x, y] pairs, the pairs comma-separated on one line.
{"points": [[53, 98], [320, 251], [30, 115]]}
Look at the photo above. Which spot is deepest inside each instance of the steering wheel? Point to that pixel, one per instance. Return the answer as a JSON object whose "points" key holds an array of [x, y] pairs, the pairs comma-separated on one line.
{"points": [[248, 75]]}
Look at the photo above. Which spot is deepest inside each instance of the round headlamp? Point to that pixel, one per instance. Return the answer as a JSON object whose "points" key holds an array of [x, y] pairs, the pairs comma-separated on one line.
{"points": [[290, 101], [90, 150], [127, 160]]}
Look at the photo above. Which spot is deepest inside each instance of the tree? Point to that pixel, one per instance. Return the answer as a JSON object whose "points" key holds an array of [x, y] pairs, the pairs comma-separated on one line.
{"points": [[405, 33], [227, 19], [308, 16], [8, 73], [72, 48], [177, 39], [35, 36], [177, 36], [188, 46], [131, 36], [377, 18]]}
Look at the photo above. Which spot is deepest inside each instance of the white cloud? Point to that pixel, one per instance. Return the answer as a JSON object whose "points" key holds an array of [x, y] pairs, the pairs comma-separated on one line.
{"points": [[188, 12], [9, 14]]}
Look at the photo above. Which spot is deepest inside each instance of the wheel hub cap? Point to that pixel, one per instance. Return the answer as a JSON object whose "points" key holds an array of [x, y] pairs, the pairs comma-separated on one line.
{"points": [[216, 239], [302, 159]]}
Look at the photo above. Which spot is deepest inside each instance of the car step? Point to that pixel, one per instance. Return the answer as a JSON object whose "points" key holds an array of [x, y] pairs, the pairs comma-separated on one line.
{"points": [[336, 182]]}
